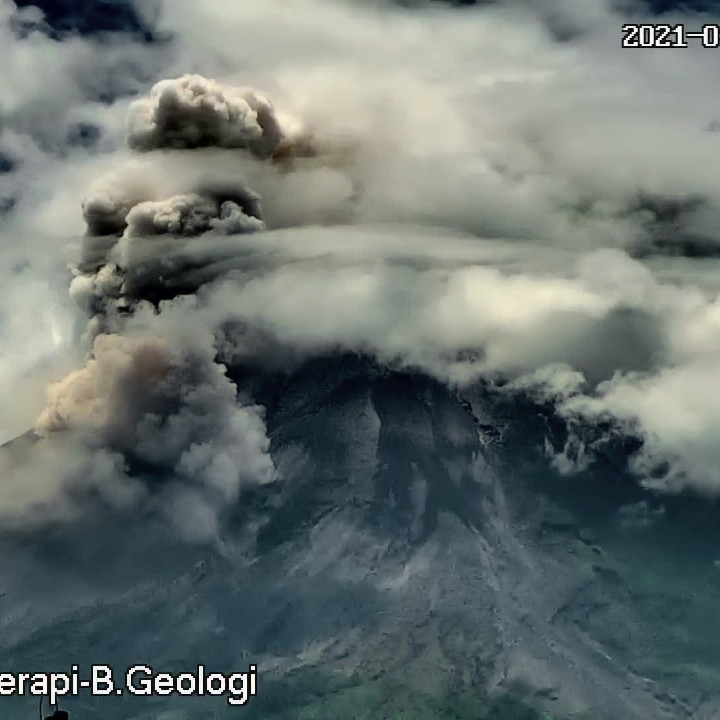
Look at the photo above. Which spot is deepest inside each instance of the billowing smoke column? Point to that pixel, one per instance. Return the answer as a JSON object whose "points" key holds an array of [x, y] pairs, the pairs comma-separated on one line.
{"points": [[92, 399], [185, 215], [190, 215], [126, 212], [164, 406], [193, 112], [185, 209], [157, 398]]}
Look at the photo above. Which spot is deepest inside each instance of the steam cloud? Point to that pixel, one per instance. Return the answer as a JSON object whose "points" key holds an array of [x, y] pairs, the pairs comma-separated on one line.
{"points": [[512, 207]]}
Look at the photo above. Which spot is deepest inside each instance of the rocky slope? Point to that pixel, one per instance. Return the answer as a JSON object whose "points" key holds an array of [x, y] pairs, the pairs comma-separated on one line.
{"points": [[414, 560]]}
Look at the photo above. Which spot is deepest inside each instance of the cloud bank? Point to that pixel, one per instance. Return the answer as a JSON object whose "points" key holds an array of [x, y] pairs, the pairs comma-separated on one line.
{"points": [[470, 195]]}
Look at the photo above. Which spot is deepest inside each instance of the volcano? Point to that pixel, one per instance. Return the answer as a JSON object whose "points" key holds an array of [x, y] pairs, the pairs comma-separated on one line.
{"points": [[365, 351], [415, 560]]}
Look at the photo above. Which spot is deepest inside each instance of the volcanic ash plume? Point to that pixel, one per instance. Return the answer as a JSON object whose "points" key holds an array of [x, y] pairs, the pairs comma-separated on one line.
{"points": [[104, 395], [193, 111], [156, 398], [165, 195], [168, 411], [188, 216], [195, 141]]}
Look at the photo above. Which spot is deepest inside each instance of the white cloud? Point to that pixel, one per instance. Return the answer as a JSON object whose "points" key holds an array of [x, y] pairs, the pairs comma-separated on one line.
{"points": [[461, 193]]}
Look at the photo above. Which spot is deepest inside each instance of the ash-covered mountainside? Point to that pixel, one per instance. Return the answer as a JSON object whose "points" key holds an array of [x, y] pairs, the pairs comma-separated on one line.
{"points": [[372, 346], [406, 562]]}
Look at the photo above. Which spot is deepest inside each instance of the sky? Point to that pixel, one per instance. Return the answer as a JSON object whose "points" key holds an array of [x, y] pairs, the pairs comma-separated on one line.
{"points": [[497, 192]]}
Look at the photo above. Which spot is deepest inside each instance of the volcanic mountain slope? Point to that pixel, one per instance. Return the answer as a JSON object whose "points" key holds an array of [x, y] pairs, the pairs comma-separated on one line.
{"points": [[399, 568], [380, 544]]}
